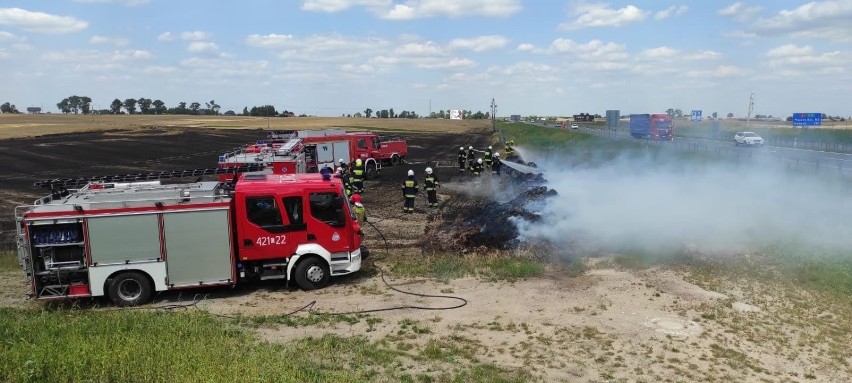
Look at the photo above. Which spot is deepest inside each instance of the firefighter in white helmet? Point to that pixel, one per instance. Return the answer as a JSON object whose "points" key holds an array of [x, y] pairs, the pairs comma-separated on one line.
{"points": [[496, 164], [486, 159], [462, 158], [409, 191], [430, 184], [476, 170], [471, 156]]}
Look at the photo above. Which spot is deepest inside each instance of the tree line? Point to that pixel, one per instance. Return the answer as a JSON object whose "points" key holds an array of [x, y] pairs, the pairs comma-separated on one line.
{"points": [[8, 107], [142, 105]]}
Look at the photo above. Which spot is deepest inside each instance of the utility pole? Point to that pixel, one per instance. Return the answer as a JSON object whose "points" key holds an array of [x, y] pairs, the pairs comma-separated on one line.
{"points": [[750, 109], [493, 115]]}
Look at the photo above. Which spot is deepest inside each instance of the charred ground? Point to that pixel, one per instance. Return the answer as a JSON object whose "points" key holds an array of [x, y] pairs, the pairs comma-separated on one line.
{"points": [[466, 217]]}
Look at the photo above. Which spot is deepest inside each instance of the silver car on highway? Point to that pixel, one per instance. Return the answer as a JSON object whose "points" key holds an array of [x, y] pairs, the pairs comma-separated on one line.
{"points": [[748, 139]]}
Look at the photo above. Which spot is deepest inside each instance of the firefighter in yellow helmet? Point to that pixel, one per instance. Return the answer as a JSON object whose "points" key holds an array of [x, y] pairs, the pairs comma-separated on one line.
{"points": [[358, 176]]}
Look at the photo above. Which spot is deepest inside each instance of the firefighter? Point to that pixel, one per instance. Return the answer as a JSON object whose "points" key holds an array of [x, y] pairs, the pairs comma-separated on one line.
{"points": [[510, 148], [342, 164], [358, 176], [409, 191], [486, 159], [496, 163], [346, 178], [477, 167], [430, 184], [462, 158], [360, 211], [471, 156]]}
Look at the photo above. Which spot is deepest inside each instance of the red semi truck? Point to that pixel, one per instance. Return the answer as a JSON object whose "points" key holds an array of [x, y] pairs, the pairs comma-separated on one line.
{"points": [[307, 151], [657, 126], [129, 240]]}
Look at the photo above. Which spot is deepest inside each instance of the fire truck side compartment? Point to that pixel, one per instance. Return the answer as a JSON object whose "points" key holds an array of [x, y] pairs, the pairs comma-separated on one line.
{"points": [[198, 247]]}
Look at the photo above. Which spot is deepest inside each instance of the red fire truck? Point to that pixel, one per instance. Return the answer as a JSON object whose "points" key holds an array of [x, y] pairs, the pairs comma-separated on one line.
{"points": [[307, 151], [127, 240]]}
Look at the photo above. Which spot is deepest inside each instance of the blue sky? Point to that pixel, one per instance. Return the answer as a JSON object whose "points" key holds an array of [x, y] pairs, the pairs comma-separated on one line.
{"points": [[329, 57]]}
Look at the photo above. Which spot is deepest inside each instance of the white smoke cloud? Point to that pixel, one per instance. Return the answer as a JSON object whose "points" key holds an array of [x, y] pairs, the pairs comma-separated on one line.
{"points": [[660, 205]]}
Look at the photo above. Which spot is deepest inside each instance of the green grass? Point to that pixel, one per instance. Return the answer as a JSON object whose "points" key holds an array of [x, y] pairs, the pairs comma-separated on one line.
{"points": [[9, 261], [452, 266], [134, 346], [143, 346]]}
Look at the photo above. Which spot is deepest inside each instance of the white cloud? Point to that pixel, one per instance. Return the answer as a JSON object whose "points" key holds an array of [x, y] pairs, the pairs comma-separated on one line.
{"points": [[271, 40], [523, 68], [225, 67], [194, 35], [418, 9], [159, 70], [363, 68], [790, 50], [825, 19], [202, 47], [601, 15], [790, 55], [9, 37], [40, 22], [525, 47], [117, 41], [341, 5], [659, 53], [480, 44], [128, 3], [86, 61], [166, 36], [593, 50], [420, 49], [452, 63], [739, 12], [668, 12], [702, 55], [722, 71]]}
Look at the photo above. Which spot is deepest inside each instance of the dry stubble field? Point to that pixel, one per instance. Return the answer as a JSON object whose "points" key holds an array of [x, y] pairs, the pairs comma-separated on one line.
{"points": [[605, 322]]}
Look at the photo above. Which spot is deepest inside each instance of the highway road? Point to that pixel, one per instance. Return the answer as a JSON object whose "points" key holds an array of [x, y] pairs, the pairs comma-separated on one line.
{"points": [[807, 160]]}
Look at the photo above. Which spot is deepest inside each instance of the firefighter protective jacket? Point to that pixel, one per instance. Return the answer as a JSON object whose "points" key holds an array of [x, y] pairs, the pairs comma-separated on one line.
{"points": [[430, 183], [410, 187]]}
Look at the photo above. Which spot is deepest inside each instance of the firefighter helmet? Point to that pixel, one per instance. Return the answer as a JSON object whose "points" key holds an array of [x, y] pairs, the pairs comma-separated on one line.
{"points": [[428, 170], [461, 148], [340, 161], [496, 154], [410, 173], [358, 162], [356, 198], [489, 148], [470, 147], [479, 160]]}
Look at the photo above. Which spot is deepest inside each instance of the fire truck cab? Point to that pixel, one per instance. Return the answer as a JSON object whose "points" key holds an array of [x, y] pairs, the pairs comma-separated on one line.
{"points": [[129, 240]]}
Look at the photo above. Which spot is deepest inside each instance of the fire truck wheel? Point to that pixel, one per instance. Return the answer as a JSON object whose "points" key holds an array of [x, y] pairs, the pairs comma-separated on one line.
{"points": [[312, 273], [129, 289], [395, 160], [371, 172]]}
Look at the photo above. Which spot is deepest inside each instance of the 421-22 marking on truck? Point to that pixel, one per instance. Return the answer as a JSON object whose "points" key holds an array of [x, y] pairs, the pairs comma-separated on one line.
{"points": [[271, 240]]}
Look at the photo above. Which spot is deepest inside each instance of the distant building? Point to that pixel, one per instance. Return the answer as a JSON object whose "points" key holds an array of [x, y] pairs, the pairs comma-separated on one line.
{"points": [[34, 109], [515, 117]]}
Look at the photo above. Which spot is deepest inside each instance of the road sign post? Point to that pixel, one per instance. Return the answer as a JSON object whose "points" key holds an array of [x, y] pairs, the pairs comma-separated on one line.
{"points": [[807, 119], [696, 116]]}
